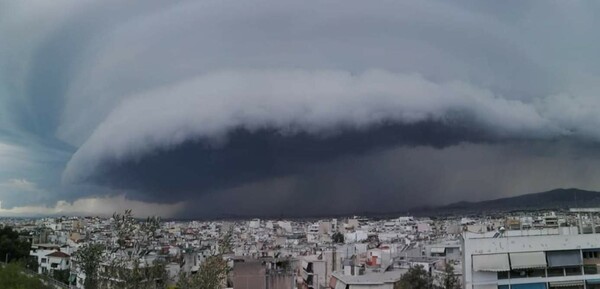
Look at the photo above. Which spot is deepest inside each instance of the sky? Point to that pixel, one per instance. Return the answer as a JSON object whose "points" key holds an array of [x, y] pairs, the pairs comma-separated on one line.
{"points": [[211, 108]]}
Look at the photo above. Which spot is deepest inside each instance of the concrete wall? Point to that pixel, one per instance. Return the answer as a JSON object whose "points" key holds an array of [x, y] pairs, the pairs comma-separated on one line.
{"points": [[253, 275], [249, 275], [280, 281]]}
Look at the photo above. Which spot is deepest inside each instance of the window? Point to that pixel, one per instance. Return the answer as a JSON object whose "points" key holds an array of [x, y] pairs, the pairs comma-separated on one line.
{"points": [[593, 286], [503, 275], [555, 272], [43, 260], [572, 271], [536, 273], [527, 273], [518, 274], [590, 269]]}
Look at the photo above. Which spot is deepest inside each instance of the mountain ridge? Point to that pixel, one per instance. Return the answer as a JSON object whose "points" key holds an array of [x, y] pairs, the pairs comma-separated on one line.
{"points": [[553, 199]]}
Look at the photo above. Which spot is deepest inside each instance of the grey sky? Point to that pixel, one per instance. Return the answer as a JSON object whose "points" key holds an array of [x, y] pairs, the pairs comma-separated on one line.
{"points": [[93, 87]]}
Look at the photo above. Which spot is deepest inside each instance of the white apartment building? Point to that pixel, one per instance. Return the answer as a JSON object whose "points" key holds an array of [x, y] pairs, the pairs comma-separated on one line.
{"points": [[254, 224], [49, 258], [55, 261], [531, 259], [40, 252], [314, 271]]}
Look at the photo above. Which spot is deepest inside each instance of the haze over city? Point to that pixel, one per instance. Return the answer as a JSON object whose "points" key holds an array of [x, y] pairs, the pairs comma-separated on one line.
{"points": [[267, 108]]}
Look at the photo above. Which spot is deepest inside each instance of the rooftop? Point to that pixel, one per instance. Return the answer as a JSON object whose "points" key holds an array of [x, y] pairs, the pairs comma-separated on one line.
{"points": [[34, 246], [371, 277], [58, 254]]}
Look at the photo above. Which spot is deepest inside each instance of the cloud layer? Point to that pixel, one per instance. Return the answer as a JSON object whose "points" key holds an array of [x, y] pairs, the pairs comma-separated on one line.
{"points": [[292, 102], [104, 206], [193, 100]]}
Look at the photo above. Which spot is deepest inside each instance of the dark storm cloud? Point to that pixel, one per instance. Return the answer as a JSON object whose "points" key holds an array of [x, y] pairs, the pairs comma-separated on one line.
{"points": [[293, 101], [399, 179], [196, 167], [180, 100]]}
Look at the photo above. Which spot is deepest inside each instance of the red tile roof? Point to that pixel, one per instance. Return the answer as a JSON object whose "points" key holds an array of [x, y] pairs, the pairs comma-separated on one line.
{"points": [[58, 254]]}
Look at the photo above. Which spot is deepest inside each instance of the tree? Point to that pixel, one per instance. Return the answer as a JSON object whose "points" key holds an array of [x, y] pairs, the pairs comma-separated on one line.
{"points": [[133, 240], [89, 258], [134, 275], [449, 280], [61, 275], [12, 277], [225, 243], [211, 275], [11, 247], [124, 225], [337, 238], [415, 278]]}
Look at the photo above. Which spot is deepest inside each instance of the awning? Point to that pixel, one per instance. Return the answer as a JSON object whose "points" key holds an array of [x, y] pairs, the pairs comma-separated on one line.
{"points": [[528, 260], [438, 250], [529, 286], [491, 263], [566, 283], [564, 258]]}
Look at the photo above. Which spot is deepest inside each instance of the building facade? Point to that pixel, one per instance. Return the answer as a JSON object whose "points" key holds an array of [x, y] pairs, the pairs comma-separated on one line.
{"points": [[532, 259]]}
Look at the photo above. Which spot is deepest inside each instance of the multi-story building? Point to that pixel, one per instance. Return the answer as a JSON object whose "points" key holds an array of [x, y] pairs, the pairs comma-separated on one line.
{"points": [[314, 271], [56, 261], [41, 252], [263, 273], [531, 259]]}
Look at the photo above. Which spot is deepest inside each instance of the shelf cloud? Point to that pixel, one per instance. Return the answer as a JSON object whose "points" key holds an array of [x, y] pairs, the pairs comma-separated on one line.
{"points": [[192, 101]]}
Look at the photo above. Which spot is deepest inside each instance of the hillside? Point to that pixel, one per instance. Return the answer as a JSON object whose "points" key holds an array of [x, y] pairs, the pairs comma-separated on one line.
{"points": [[558, 198]]}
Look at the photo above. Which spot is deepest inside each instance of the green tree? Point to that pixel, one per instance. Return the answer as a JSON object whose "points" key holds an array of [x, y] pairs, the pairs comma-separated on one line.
{"points": [[136, 275], [415, 278], [62, 275], [449, 280], [337, 238], [211, 275], [124, 226], [89, 258], [135, 238], [225, 242], [12, 248], [12, 277]]}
